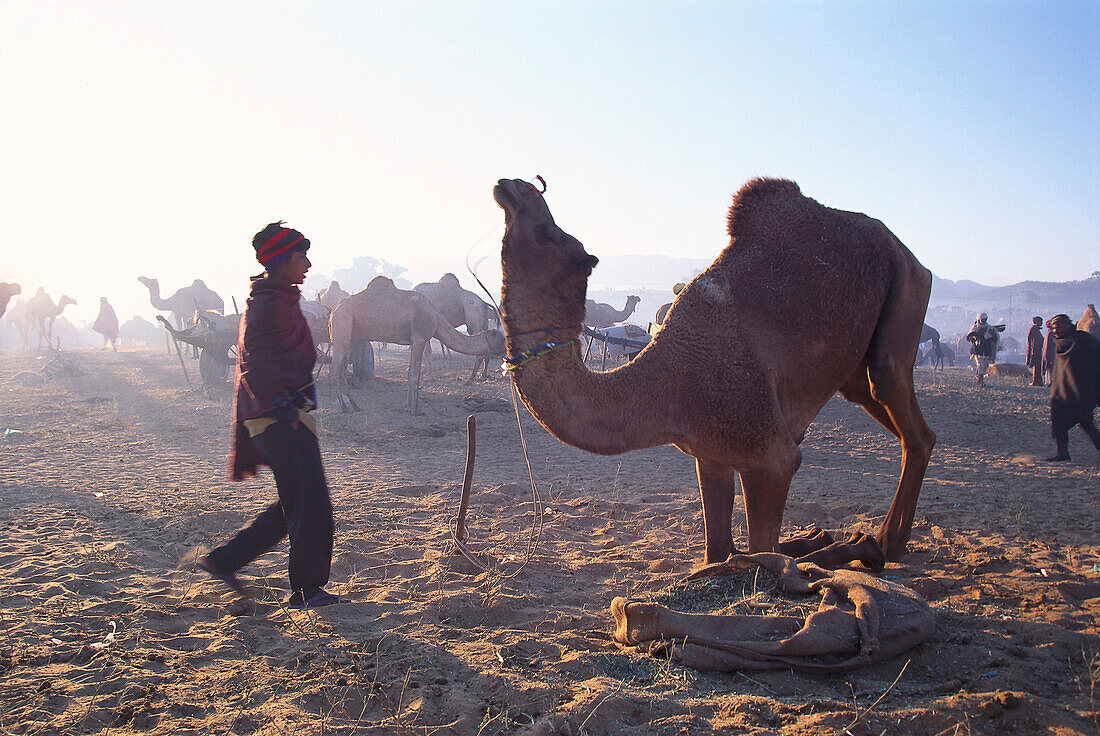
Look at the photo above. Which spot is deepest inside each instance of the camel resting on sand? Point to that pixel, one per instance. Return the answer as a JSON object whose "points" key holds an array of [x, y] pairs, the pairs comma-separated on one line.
{"points": [[43, 313], [7, 291], [183, 303], [749, 353], [599, 316], [383, 313]]}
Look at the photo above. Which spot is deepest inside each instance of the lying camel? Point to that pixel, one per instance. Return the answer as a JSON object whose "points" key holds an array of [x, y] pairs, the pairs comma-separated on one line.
{"points": [[383, 313], [749, 353]]}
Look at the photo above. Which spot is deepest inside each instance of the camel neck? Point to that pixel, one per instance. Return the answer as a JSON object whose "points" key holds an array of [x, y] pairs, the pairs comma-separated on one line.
{"points": [[605, 413]]}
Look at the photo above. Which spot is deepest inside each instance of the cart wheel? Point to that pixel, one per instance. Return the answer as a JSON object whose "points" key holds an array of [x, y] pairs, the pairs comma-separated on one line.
{"points": [[362, 360], [211, 368]]}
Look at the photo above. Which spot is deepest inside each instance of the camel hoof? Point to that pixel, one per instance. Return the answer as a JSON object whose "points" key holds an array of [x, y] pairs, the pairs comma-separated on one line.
{"points": [[893, 552]]}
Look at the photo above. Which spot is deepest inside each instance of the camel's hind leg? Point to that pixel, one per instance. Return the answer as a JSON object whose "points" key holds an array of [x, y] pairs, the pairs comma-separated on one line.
{"points": [[340, 332], [900, 414]]}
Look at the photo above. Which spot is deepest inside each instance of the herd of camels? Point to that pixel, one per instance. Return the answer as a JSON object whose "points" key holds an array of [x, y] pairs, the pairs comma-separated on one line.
{"points": [[735, 369]]}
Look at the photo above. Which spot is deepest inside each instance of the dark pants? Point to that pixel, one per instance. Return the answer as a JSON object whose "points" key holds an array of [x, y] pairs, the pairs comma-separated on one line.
{"points": [[1061, 438], [303, 511], [1037, 375]]}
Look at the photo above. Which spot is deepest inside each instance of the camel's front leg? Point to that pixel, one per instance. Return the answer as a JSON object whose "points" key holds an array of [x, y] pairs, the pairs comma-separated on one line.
{"points": [[765, 487], [416, 354], [717, 484]]}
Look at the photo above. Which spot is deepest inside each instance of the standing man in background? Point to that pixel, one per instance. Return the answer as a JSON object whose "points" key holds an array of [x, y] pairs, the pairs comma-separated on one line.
{"points": [[1075, 386], [1035, 351]]}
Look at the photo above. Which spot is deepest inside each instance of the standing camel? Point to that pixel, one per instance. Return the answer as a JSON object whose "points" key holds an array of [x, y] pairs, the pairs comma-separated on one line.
{"points": [[750, 352], [930, 333], [7, 291], [183, 303], [600, 316], [383, 313], [43, 313], [461, 307], [331, 295], [20, 318]]}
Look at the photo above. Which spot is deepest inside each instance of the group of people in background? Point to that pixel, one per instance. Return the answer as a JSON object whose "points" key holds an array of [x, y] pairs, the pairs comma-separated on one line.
{"points": [[1067, 357]]}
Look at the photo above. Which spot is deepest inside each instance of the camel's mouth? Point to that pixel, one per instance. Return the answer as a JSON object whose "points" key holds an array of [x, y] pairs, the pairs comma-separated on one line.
{"points": [[504, 195]]}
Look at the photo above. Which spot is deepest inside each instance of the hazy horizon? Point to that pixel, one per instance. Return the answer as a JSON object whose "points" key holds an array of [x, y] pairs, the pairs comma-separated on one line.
{"points": [[158, 143]]}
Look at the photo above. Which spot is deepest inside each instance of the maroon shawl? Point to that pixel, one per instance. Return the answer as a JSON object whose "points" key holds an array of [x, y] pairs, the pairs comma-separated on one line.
{"points": [[275, 360]]}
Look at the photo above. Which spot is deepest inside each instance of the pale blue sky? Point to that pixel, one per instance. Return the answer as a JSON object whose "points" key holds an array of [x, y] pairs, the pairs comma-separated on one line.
{"points": [[154, 138]]}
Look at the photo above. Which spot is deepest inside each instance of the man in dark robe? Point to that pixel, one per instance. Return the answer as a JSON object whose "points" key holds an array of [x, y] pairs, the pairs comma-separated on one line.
{"points": [[273, 427], [1075, 386], [1035, 351]]}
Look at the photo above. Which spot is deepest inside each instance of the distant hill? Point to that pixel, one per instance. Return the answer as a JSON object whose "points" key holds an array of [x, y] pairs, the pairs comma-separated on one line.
{"points": [[645, 272], [1038, 292]]}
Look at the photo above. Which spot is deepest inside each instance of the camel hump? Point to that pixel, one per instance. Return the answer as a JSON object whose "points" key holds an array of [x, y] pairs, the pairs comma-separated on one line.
{"points": [[449, 278], [758, 193], [381, 282]]}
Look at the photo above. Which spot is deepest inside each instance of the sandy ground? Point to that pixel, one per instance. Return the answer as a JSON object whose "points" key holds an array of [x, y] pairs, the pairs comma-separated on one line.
{"points": [[118, 471]]}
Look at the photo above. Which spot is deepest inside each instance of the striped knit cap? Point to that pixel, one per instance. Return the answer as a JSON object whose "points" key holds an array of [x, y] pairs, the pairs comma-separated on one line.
{"points": [[275, 243]]}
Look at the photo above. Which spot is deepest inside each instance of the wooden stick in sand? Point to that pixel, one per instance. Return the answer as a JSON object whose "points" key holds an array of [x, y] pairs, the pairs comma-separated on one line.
{"points": [[464, 500]]}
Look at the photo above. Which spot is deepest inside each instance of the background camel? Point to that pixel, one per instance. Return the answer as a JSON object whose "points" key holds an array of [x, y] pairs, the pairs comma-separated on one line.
{"points": [[461, 307], [20, 318], [106, 324], [331, 295], [183, 303], [598, 315], [383, 313], [662, 311], [43, 313], [750, 352], [1090, 322], [928, 333], [7, 291]]}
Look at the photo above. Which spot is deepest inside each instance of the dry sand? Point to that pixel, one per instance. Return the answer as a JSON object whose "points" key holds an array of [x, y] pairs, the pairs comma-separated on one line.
{"points": [[120, 471]]}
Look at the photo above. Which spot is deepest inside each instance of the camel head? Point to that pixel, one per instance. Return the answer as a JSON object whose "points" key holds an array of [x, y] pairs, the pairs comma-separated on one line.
{"points": [[64, 301], [150, 284], [7, 291], [543, 265], [496, 341], [632, 301]]}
